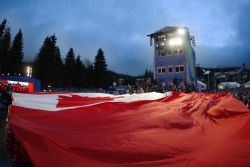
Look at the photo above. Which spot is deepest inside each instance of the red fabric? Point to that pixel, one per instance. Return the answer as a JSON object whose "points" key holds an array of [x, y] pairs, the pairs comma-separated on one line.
{"points": [[198, 130], [31, 87], [16, 151]]}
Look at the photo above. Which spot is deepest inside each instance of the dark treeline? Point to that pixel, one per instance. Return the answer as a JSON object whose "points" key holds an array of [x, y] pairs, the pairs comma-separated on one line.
{"points": [[71, 72], [11, 52], [52, 70]]}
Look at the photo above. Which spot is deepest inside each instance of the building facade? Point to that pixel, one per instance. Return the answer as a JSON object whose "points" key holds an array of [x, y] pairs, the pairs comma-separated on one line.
{"points": [[240, 75], [174, 56]]}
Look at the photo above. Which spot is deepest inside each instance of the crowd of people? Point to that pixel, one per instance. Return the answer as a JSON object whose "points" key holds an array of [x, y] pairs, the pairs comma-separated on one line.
{"points": [[143, 86], [16, 87], [242, 94], [8, 141], [5, 101]]}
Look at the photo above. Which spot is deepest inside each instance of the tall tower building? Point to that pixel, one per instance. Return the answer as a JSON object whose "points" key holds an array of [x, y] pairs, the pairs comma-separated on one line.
{"points": [[174, 56]]}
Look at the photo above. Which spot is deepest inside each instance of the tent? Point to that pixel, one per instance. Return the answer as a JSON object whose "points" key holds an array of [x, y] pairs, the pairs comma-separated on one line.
{"points": [[201, 86], [225, 85], [21, 83]]}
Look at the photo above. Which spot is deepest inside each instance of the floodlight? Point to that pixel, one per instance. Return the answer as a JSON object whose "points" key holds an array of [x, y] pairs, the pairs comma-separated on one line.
{"points": [[171, 42], [181, 31], [175, 41], [178, 41]]}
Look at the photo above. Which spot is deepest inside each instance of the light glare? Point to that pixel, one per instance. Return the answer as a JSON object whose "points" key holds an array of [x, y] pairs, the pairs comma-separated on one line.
{"points": [[175, 41], [181, 31], [178, 41]]}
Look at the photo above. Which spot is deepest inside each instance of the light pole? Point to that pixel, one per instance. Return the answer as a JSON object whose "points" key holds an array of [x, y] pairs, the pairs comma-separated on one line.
{"points": [[29, 71]]}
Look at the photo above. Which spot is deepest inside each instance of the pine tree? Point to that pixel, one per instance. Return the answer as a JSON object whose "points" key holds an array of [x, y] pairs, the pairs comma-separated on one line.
{"points": [[58, 68], [2, 27], [5, 51], [80, 70], [146, 74], [70, 67], [2, 30], [150, 74], [41, 66], [100, 70], [48, 63], [89, 74], [16, 54]]}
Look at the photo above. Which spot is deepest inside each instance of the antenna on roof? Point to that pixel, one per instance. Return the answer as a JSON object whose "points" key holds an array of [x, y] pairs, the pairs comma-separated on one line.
{"points": [[193, 40], [151, 41]]}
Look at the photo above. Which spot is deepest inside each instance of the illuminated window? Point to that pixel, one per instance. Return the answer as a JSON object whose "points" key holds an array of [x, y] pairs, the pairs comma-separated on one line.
{"points": [[175, 41]]}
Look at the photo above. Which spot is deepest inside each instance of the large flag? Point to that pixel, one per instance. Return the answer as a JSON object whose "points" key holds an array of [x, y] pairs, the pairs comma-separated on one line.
{"points": [[147, 130]]}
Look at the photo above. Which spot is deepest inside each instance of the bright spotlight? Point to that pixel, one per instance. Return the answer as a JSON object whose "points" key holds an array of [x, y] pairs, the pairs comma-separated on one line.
{"points": [[178, 41], [175, 42], [171, 42], [181, 31]]}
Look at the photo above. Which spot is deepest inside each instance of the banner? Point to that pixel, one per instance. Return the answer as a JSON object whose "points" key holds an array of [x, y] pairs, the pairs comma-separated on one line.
{"points": [[150, 129]]}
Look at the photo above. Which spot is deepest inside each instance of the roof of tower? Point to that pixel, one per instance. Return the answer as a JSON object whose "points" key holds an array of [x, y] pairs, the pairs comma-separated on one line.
{"points": [[167, 29]]}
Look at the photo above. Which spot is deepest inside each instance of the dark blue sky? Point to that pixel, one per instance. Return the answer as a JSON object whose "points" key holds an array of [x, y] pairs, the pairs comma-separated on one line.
{"points": [[120, 28]]}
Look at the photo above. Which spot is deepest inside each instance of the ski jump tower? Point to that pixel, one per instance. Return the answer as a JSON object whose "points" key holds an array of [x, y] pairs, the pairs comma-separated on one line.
{"points": [[174, 56]]}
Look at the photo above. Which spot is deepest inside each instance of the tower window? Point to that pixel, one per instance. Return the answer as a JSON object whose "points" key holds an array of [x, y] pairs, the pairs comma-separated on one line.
{"points": [[169, 52], [180, 51], [172, 51], [175, 51], [170, 69], [177, 69], [181, 68], [162, 53], [161, 70]]}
